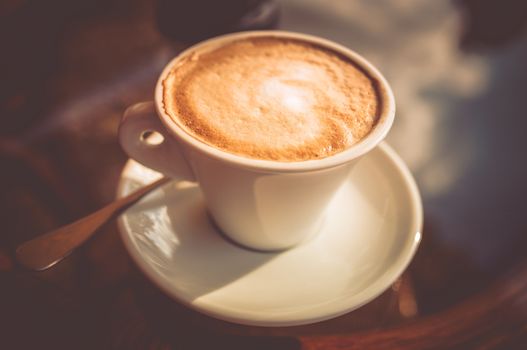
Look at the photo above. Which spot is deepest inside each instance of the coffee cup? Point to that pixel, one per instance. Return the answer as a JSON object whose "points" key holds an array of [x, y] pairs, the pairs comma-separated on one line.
{"points": [[258, 196]]}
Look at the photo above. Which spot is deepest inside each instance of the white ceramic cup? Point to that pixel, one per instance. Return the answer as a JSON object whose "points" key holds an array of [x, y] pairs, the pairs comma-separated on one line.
{"points": [[260, 204]]}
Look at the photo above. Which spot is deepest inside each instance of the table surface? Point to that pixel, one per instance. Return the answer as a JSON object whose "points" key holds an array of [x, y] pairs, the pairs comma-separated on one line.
{"points": [[459, 126]]}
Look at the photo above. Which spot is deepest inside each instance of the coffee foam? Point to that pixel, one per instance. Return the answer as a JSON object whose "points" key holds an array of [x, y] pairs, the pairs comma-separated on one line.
{"points": [[271, 98]]}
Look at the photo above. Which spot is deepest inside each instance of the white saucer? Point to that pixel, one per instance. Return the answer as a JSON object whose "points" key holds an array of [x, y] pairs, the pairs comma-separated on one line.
{"points": [[371, 233]]}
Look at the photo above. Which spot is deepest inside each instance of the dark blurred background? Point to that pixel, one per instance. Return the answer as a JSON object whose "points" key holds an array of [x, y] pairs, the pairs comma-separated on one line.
{"points": [[41, 40], [68, 69]]}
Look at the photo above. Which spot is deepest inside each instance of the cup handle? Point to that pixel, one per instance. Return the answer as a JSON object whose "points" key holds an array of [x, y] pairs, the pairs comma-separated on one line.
{"points": [[144, 138]]}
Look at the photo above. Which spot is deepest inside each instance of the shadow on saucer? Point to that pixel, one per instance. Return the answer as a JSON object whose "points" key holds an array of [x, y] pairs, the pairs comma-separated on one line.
{"points": [[177, 326], [178, 240]]}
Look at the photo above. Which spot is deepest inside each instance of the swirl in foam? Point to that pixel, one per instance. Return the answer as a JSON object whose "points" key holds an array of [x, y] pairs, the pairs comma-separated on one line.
{"points": [[274, 99]]}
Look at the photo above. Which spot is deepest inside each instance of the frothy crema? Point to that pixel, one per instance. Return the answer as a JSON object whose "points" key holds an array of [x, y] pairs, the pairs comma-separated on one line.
{"points": [[273, 99]]}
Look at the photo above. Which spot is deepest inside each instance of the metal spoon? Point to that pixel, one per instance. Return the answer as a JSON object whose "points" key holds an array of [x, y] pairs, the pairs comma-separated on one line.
{"points": [[45, 251]]}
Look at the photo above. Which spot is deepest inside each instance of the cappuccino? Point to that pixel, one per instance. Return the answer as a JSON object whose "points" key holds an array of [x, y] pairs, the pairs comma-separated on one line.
{"points": [[272, 98]]}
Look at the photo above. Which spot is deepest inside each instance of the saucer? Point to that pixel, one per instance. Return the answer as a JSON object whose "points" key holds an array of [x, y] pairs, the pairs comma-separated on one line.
{"points": [[370, 234]]}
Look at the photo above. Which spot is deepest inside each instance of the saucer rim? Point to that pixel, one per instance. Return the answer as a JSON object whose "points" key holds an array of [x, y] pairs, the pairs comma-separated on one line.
{"points": [[370, 292]]}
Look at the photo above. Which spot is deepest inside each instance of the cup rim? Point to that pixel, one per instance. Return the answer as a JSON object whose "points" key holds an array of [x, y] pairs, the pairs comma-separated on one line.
{"points": [[376, 135]]}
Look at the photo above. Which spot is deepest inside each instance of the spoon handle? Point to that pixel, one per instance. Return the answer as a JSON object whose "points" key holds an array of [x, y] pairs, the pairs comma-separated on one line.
{"points": [[48, 249]]}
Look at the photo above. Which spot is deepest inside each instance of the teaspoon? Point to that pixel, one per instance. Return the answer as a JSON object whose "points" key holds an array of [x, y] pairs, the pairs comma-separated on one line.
{"points": [[48, 249]]}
